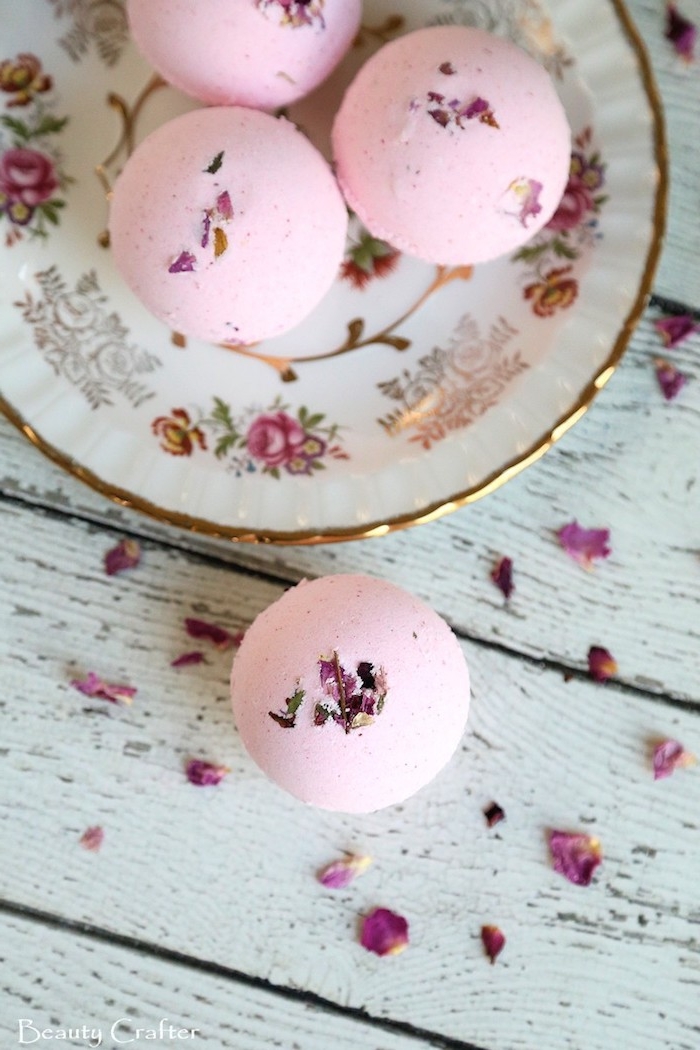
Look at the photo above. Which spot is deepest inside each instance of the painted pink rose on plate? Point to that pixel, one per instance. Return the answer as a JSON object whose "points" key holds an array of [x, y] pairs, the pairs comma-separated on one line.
{"points": [[275, 439], [27, 176], [585, 177]]}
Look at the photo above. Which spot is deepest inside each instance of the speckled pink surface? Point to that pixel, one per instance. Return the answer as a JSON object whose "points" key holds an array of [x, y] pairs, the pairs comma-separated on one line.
{"points": [[415, 659], [241, 52], [449, 191], [285, 237]]}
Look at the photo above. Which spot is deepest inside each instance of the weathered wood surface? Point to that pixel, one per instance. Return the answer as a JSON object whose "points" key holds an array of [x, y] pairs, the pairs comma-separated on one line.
{"points": [[227, 874], [63, 980], [631, 465]]}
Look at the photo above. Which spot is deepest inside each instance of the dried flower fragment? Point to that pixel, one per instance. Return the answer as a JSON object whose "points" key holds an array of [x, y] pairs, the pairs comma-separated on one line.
{"points": [[583, 545], [287, 718], [92, 838], [524, 193], [681, 32], [93, 685], [575, 856], [454, 111], [671, 380], [184, 263], [126, 555], [215, 164], [447, 69], [494, 942], [384, 932], [675, 329], [188, 659], [220, 242], [601, 664], [205, 774], [669, 756], [494, 814], [211, 632], [502, 576], [340, 873]]}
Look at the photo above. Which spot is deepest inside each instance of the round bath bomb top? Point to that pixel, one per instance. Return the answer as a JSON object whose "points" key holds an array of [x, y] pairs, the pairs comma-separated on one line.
{"points": [[228, 224], [259, 53], [350, 693], [451, 143]]}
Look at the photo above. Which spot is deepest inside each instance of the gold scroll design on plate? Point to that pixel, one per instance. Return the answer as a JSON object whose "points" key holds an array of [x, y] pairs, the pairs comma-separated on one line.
{"points": [[101, 23], [454, 385]]}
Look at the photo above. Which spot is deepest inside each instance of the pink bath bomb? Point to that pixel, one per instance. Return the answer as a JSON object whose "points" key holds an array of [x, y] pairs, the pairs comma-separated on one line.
{"points": [[350, 693], [451, 143], [260, 53], [228, 224]]}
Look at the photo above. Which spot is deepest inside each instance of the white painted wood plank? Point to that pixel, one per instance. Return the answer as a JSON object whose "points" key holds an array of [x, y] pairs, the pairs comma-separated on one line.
{"points": [[228, 874], [631, 465], [59, 980]]}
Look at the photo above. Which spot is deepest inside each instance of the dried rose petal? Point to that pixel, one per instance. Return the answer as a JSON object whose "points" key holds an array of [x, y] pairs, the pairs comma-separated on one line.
{"points": [[681, 32], [583, 545], [93, 685], [92, 838], [601, 664], [384, 932], [126, 555], [669, 756], [205, 774], [671, 379], [340, 873], [211, 632], [493, 941], [675, 329], [224, 207], [187, 659], [494, 814], [184, 263], [502, 576], [447, 69], [526, 193], [575, 856]]}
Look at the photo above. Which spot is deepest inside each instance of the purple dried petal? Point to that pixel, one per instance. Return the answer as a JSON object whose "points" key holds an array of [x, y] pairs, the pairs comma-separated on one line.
{"points": [[92, 838], [575, 856], [494, 942], [93, 685], [435, 96], [527, 195], [494, 814], [205, 774], [187, 659], [340, 873], [681, 32], [384, 932], [583, 545], [475, 108], [126, 555], [184, 263], [601, 664], [671, 380], [211, 632], [502, 576], [676, 329], [206, 228], [669, 756]]}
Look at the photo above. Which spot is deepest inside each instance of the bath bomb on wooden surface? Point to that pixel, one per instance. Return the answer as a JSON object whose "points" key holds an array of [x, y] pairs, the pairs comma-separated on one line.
{"points": [[350, 693]]}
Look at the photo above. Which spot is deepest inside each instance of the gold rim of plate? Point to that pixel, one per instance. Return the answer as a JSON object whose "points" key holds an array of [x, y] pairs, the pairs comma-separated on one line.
{"points": [[441, 507]]}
